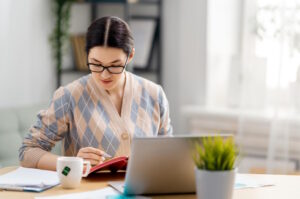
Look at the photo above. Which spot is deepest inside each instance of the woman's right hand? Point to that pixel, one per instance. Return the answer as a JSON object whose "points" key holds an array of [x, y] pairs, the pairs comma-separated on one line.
{"points": [[94, 155]]}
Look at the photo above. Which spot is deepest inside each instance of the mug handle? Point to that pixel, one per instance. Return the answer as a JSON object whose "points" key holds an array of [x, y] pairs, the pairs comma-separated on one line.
{"points": [[88, 168]]}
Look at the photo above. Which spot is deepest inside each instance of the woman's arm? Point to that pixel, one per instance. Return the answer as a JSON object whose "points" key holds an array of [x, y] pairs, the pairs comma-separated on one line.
{"points": [[165, 127], [52, 126], [47, 161], [95, 156]]}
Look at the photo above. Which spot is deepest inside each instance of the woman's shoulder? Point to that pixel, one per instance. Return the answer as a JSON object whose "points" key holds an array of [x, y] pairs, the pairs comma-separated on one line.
{"points": [[71, 91], [147, 88], [145, 83], [78, 84]]}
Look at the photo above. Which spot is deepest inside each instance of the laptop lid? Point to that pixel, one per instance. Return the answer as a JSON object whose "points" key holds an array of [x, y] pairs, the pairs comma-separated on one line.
{"points": [[161, 165]]}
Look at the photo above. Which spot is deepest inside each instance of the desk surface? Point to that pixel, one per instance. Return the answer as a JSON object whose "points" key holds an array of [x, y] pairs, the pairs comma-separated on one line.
{"points": [[285, 186]]}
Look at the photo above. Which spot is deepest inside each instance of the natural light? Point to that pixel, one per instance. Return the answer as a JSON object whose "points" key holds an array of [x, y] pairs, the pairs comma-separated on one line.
{"points": [[278, 40]]}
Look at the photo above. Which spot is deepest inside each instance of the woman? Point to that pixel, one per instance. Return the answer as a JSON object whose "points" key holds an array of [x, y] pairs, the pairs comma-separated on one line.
{"points": [[99, 114]]}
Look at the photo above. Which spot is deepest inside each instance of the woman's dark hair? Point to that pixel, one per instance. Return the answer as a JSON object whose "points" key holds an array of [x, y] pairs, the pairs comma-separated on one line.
{"points": [[110, 32]]}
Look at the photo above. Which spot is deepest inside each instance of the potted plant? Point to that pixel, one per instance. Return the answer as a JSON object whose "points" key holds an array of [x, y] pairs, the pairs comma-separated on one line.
{"points": [[60, 34], [215, 173]]}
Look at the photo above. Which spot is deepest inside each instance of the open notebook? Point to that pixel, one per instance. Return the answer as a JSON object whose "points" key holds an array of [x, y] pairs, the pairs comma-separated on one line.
{"points": [[25, 179], [113, 165]]}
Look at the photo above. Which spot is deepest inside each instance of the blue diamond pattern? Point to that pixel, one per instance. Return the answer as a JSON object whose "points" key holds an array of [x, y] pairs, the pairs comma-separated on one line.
{"points": [[147, 102], [85, 104], [38, 124], [28, 136], [160, 101], [21, 152], [59, 108], [110, 150], [89, 139], [61, 105], [51, 131], [138, 132], [151, 105], [72, 136], [134, 110], [110, 142], [83, 80], [68, 98], [154, 129], [44, 144], [144, 97], [102, 112], [104, 143]]}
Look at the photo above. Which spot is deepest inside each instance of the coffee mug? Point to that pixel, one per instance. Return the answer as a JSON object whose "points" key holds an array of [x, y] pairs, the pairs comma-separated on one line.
{"points": [[70, 171]]}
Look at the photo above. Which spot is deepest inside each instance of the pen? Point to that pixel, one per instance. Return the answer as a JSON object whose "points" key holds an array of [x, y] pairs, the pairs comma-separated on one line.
{"points": [[106, 155]]}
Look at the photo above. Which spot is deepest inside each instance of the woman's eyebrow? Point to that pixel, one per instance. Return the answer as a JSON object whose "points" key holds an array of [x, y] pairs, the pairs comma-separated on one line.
{"points": [[96, 60], [115, 61]]}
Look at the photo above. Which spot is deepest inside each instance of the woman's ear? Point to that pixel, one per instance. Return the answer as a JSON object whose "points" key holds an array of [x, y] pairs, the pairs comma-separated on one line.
{"points": [[131, 55]]}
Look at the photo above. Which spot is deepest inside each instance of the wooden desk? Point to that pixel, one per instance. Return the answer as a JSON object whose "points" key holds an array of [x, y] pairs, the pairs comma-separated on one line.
{"points": [[285, 187]]}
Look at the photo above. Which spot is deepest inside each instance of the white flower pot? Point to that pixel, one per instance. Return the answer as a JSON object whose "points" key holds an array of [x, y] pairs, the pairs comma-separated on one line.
{"points": [[214, 184]]}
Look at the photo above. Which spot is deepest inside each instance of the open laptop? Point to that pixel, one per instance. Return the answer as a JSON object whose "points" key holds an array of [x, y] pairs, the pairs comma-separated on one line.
{"points": [[160, 165]]}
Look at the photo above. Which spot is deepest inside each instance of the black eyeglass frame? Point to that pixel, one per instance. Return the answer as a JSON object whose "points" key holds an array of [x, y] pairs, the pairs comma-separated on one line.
{"points": [[107, 67]]}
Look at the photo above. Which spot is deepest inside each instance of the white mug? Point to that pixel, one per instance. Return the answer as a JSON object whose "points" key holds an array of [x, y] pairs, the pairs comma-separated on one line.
{"points": [[70, 171]]}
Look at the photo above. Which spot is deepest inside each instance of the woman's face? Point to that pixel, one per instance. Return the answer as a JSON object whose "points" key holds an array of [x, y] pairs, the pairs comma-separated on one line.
{"points": [[108, 56]]}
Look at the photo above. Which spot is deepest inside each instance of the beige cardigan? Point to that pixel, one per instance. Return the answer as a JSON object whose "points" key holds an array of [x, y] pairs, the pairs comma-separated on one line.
{"points": [[82, 114]]}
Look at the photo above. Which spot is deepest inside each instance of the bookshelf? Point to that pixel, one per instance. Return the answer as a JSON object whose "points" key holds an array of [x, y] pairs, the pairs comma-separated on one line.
{"points": [[142, 16]]}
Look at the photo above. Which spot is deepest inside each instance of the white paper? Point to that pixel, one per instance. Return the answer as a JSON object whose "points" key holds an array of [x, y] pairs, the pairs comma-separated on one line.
{"points": [[98, 194], [29, 177], [242, 182]]}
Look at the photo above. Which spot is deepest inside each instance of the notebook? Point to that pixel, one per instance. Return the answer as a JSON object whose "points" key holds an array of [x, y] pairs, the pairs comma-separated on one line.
{"points": [[113, 165], [26, 179]]}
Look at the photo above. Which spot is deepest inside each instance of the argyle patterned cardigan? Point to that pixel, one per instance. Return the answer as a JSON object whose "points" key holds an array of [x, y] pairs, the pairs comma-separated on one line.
{"points": [[81, 114]]}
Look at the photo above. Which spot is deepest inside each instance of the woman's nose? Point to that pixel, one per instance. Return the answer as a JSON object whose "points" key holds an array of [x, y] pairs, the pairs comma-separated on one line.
{"points": [[105, 74]]}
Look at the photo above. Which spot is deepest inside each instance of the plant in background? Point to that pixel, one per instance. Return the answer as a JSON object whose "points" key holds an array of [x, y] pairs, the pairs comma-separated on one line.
{"points": [[59, 36], [216, 154]]}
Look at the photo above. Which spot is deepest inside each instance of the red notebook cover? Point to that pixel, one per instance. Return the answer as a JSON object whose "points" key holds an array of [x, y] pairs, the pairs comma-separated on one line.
{"points": [[114, 164]]}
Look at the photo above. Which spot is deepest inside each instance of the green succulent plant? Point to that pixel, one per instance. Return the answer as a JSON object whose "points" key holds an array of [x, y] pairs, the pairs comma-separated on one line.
{"points": [[215, 154]]}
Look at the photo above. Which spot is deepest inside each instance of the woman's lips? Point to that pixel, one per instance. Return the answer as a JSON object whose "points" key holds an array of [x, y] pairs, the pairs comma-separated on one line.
{"points": [[106, 81]]}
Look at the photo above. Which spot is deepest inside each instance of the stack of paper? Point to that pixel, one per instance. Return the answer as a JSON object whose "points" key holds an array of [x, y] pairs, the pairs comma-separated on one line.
{"points": [[25, 179]]}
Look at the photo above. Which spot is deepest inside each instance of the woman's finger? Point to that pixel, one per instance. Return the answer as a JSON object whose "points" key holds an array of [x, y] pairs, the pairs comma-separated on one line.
{"points": [[92, 150], [90, 156]]}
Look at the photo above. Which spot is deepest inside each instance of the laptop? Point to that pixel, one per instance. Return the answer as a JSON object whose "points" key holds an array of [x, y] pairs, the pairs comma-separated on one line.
{"points": [[160, 165]]}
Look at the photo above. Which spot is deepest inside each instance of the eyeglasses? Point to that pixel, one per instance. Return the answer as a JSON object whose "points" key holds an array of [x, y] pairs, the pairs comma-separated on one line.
{"points": [[98, 68]]}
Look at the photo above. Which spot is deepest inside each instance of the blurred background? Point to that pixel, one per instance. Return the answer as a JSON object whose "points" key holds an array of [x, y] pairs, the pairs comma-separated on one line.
{"points": [[226, 67]]}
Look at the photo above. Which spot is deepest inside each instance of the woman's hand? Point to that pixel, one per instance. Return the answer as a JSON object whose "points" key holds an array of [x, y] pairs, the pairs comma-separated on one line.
{"points": [[95, 156]]}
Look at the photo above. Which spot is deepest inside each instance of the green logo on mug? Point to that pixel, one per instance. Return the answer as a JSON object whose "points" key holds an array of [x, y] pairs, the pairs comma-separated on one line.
{"points": [[66, 171]]}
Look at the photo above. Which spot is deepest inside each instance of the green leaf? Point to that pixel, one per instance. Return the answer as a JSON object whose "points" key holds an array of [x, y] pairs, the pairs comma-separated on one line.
{"points": [[215, 153]]}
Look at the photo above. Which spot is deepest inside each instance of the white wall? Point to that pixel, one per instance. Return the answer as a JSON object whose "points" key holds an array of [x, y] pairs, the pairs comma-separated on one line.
{"points": [[26, 66], [184, 55], [223, 36]]}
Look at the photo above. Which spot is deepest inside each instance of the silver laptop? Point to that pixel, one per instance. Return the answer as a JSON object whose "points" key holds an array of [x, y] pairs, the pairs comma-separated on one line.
{"points": [[160, 165]]}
